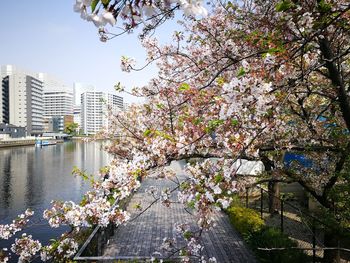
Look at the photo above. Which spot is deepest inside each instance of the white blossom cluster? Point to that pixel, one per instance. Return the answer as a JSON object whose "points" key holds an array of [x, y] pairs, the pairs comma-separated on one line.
{"points": [[8, 230], [209, 176], [26, 247], [67, 247], [99, 20], [136, 11], [127, 64], [255, 102]]}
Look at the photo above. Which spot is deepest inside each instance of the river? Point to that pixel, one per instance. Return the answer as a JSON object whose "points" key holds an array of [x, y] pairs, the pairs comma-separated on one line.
{"points": [[30, 177]]}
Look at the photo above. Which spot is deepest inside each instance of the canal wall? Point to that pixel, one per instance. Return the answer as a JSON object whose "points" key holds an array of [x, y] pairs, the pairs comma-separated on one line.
{"points": [[23, 142]]}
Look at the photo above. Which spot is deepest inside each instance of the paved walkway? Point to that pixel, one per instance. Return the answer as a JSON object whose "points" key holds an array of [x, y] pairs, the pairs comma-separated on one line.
{"points": [[144, 235]]}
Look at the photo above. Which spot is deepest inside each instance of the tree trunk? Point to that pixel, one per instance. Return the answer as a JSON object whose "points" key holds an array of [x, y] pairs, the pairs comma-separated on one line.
{"points": [[273, 186], [274, 194], [331, 240]]}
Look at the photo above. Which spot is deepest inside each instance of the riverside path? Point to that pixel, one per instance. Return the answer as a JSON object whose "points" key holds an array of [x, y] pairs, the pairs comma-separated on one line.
{"points": [[140, 238]]}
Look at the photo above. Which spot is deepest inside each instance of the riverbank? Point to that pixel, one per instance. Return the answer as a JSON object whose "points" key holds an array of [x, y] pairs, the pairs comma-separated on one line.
{"points": [[25, 142]]}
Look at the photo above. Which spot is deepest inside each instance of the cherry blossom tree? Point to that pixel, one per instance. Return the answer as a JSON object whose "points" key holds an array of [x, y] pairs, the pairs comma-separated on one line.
{"points": [[258, 80]]}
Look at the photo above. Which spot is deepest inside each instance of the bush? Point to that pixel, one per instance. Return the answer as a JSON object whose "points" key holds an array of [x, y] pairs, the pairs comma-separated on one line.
{"points": [[257, 235], [245, 220], [269, 237]]}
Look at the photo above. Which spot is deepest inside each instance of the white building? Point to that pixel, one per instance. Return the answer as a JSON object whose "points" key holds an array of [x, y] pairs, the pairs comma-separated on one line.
{"points": [[78, 89], [51, 83], [21, 99], [77, 116], [58, 102], [94, 110]]}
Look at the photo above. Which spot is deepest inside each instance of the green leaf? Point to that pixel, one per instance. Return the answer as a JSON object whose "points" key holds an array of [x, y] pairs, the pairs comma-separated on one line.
{"points": [[213, 124], [118, 87], [184, 87], [184, 185], [94, 4], [274, 50], [240, 72], [111, 200], [234, 122], [105, 2], [191, 204], [220, 81], [197, 121], [284, 5], [324, 7], [160, 105], [137, 206], [147, 132], [218, 178], [164, 135], [188, 235], [230, 5]]}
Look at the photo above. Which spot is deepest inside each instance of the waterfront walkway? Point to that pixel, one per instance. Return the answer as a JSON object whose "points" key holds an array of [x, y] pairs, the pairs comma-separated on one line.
{"points": [[143, 236]]}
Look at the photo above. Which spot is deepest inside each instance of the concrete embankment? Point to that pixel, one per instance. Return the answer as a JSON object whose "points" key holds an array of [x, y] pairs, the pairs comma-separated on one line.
{"points": [[23, 142]]}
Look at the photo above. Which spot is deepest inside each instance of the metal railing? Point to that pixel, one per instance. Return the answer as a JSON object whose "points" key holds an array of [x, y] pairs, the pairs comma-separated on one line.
{"points": [[295, 221], [93, 247]]}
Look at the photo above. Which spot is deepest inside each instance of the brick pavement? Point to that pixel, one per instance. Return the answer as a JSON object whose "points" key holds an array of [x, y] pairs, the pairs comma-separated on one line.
{"points": [[144, 235]]}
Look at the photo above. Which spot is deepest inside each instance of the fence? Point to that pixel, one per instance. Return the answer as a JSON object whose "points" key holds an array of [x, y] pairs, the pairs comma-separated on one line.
{"points": [[93, 248], [296, 222]]}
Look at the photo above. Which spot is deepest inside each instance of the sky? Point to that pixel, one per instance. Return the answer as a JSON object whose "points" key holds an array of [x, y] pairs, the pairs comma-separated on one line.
{"points": [[48, 36]]}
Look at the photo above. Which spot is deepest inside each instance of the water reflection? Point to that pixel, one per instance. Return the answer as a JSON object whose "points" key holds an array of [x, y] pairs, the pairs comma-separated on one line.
{"points": [[32, 177], [6, 181]]}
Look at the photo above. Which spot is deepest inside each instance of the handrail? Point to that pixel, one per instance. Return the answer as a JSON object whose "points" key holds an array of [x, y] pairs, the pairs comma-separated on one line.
{"points": [[91, 236], [86, 243], [293, 206]]}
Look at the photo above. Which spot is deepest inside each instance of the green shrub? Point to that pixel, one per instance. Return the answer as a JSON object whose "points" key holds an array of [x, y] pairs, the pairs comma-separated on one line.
{"points": [[257, 235], [245, 220], [269, 237]]}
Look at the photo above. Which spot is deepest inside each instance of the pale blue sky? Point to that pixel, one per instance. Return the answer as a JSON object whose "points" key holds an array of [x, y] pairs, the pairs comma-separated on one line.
{"points": [[47, 36]]}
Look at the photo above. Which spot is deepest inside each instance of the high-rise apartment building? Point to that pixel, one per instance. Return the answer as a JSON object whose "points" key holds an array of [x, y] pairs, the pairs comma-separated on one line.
{"points": [[21, 99], [94, 110], [51, 82], [4, 101], [78, 89], [58, 102]]}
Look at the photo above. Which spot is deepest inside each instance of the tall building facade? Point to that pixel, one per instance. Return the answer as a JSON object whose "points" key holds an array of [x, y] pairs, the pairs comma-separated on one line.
{"points": [[94, 110], [4, 101], [22, 99], [78, 89], [34, 100], [50, 82], [58, 102]]}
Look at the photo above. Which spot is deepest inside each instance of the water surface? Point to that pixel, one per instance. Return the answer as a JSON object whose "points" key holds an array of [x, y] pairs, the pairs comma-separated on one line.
{"points": [[30, 177]]}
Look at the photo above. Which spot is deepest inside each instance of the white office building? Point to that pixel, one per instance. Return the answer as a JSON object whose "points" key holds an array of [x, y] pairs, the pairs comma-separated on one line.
{"points": [[58, 102], [50, 82], [77, 116], [94, 110], [78, 89], [21, 99]]}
